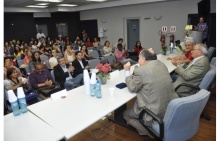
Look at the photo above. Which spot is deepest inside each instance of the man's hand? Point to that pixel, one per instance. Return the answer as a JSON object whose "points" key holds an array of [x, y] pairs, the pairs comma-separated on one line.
{"points": [[87, 67], [175, 62], [48, 83], [127, 66], [70, 69]]}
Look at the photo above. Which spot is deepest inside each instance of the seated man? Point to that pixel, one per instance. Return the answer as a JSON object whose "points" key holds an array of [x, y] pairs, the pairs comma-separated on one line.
{"points": [[194, 72], [121, 55], [40, 77], [79, 64], [64, 75], [152, 83]]}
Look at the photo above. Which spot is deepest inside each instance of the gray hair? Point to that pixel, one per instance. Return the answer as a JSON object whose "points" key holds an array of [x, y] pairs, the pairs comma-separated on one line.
{"points": [[203, 48], [148, 54], [190, 40]]}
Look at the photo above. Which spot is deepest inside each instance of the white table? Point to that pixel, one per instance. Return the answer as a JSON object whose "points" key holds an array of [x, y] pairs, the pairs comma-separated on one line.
{"points": [[28, 127], [78, 111]]}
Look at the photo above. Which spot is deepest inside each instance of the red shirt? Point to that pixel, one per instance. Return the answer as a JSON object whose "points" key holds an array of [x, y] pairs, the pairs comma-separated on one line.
{"points": [[137, 50], [188, 55]]}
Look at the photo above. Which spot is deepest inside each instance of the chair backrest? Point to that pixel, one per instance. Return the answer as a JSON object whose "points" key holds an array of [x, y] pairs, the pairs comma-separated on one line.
{"points": [[59, 54], [94, 53], [110, 59], [18, 57], [208, 78], [93, 63], [43, 57], [52, 74], [211, 52], [48, 64], [213, 61], [20, 62], [100, 47], [181, 120], [27, 69], [101, 52]]}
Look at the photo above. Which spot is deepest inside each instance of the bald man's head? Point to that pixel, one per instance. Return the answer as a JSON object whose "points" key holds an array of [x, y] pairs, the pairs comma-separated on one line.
{"points": [[148, 54]]}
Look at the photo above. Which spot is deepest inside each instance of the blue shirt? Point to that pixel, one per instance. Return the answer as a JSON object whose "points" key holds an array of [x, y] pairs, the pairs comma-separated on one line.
{"points": [[202, 27]]}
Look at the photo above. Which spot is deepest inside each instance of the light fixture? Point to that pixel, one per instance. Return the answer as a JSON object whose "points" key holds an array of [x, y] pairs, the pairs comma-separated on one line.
{"points": [[42, 4], [36, 6], [50, 0], [67, 5], [96, 0]]}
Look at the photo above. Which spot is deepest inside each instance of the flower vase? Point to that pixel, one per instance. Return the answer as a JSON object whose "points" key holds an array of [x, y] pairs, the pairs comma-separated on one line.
{"points": [[164, 52], [103, 80]]}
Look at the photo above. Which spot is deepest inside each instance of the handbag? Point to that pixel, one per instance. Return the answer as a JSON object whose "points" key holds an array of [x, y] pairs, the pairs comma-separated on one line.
{"points": [[47, 91], [117, 65]]}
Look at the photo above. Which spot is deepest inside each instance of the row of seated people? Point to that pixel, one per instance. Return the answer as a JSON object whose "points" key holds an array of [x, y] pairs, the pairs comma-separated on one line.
{"points": [[67, 76]]}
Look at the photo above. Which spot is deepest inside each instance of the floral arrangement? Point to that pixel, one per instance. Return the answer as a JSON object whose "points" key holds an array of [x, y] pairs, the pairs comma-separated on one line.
{"points": [[180, 48], [104, 70], [164, 48]]}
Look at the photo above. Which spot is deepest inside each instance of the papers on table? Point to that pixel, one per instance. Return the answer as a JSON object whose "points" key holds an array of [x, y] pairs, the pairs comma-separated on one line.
{"points": [[59, 95]]}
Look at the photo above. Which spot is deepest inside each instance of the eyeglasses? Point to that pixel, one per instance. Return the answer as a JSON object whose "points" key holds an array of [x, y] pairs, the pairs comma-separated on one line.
{"points": [[195, 49]]}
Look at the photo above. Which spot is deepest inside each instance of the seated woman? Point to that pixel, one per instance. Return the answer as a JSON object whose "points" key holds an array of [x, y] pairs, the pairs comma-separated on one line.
{"points": [[28, 57], [96, 43], [57, 48], [85, 52], [18, 51], [53, 60], [41, 50], [47, 50], [89, 43], [138, 48], [186, 58], [69, 55], [107, 49], [13, 81], [34, 45], [8, 64], [35, 59]]}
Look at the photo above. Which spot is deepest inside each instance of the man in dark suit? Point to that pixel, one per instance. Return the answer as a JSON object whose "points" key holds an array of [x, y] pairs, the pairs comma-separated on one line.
{"points": [[64, 75], [79, 64]]}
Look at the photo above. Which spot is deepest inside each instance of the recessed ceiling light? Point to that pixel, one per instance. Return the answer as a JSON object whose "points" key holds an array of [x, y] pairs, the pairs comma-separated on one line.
{"points": [[36, 6], [42, 4], [96, 0], [50, 0], [67, 5]]}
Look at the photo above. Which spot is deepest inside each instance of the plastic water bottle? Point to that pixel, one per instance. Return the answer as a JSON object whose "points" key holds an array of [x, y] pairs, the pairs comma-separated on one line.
{"points": [[171, 48], [93, 84], [22, 100], [86, 81], [98, 89], [14, 103]]}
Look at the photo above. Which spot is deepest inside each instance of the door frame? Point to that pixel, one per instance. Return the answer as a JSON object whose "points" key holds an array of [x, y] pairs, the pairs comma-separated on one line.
{"points": [[125, 32]]}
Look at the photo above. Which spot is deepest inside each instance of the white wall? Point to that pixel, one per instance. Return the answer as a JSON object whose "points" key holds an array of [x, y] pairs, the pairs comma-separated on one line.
{"points": [[174, 13]]}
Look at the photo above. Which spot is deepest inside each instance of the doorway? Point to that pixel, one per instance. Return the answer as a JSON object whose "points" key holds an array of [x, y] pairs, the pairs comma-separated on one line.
{"points": [[43, 28], [133, 32]]}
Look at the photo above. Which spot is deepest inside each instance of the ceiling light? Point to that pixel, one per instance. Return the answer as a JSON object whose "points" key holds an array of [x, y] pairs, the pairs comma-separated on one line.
{"points": [[96, 0], [42, 4], [50, 0], [36, 6], [68, 5]]}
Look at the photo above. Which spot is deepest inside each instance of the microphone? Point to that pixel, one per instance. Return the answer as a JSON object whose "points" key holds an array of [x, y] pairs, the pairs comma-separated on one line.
{"points": [[136, 66]]}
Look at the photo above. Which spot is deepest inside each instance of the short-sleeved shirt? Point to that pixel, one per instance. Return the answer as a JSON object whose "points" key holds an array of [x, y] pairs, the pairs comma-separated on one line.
{"points": [[188, 55], [201, 27]]}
